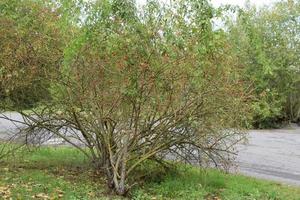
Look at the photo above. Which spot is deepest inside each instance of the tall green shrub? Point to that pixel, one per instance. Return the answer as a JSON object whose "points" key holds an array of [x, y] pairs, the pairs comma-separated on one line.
{"points": [[267, 46]]}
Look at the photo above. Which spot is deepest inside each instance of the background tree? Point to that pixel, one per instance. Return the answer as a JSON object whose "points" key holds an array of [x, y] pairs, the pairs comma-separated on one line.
{"points": [[267, 45], [31, 49]]}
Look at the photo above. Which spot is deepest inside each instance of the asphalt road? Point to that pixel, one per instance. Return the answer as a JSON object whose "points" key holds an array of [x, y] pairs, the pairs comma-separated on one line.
{"points": [[269, 154], [8, 128], [272, 154]]}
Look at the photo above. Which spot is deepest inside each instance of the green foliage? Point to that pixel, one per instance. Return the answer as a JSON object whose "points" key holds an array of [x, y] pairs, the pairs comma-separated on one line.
{"points": [[31, 50], [267, 45], [261, 46]]}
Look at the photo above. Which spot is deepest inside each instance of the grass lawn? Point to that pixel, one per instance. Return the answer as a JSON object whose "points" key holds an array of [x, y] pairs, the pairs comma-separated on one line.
{"points": [[63, 173]]}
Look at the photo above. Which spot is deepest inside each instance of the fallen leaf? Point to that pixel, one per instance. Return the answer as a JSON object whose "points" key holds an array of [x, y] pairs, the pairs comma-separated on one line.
{"points": [[6, 169], [5, 192], [41, 196]]}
